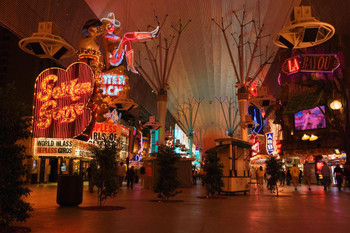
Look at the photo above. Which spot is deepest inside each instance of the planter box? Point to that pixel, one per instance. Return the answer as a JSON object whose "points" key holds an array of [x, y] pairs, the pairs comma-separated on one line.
{"points": [[69, 190]]}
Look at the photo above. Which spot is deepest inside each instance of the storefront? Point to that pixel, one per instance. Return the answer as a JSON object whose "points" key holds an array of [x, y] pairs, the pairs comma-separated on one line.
{"points": [[53, 157], [115, 132]]}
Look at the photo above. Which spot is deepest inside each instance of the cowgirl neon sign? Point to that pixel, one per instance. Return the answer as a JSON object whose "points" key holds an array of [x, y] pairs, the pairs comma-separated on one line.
{"points": [[117, 46]]}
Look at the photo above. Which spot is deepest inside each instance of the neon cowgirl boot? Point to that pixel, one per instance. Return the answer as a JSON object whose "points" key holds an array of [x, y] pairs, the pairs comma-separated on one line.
{"points": [[144, 36], [117, 57], [130, 61]]}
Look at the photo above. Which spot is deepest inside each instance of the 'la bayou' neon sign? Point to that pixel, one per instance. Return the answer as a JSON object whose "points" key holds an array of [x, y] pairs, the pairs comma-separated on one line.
{"points": [[323, 63], [60, 102]]}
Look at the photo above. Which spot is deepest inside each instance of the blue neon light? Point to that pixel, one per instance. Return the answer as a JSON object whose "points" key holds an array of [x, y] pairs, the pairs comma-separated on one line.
{"points": [[256, 115]]}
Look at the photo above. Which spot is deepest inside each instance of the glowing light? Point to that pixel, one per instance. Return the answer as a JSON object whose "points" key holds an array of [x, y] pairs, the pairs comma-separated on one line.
{"points": [[293, 65], [60, 99], [336, 105], [313, 138], [125, 43], [279, 79], [269, 143], [305, 137], [112, 84]]}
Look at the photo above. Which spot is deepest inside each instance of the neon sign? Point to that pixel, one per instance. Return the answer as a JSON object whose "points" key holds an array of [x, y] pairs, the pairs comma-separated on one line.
{"points": [[112, 84], [293, 65], [255, 149], [324, 63], [112, 27], [269, 143], [255, 112], [103, 131], [60, 101]]}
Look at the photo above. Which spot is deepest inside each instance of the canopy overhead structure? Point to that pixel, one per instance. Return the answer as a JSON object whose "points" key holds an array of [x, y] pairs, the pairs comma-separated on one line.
{"points": [[202, 67]]}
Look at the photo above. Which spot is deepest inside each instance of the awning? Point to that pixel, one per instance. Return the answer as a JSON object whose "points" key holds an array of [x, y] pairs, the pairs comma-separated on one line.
{"points": [[302, 102], [216, 149]]}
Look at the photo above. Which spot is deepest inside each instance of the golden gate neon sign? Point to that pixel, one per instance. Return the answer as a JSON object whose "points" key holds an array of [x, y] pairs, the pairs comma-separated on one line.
{"points": [[60, 102]]}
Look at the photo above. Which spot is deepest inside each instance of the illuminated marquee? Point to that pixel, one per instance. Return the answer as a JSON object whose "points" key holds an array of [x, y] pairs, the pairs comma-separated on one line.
{"points": [[53, 147], [60, 101], [112, 84], [61, 147], [103, 131], [324, 63]]}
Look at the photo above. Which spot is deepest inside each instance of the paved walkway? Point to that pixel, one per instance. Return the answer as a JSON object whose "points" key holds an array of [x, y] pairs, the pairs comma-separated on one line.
{"points": [[259, 211]]}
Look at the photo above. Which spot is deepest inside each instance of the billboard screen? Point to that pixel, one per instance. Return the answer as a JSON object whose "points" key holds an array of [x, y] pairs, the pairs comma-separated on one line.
{"points": [[310, 119]]}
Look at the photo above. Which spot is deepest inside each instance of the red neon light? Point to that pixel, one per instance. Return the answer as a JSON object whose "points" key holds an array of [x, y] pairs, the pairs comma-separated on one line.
{"points": [[60, 101], [293, 65], [125, 43], [255, 149]]}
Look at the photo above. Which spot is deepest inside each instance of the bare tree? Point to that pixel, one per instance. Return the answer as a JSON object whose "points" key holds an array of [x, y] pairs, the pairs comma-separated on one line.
{"points": [[247, 46], [160, 59]]}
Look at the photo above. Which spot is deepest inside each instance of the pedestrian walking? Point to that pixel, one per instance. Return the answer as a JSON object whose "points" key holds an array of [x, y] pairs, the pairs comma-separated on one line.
{"points": [[148, 177], [253, 175], [347, 175], [261, 174], [288, 176], [121, 171], [294, 172], [142, 175], [194, 176], [307, 174], [326, 173], [130, 177], [339, 176], [282, 178], [89, 174]]}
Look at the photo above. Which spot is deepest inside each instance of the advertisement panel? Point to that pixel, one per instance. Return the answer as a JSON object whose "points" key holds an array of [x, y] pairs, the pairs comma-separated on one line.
{"points": [[53, 147], [114, 132], [61, 147]]}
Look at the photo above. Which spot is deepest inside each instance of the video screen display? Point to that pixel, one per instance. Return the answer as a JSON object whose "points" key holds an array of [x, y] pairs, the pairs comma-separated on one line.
{"points": [[310, 119]]}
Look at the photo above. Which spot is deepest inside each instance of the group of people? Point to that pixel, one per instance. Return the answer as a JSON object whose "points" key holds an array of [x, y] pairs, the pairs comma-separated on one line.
{"points": [[122, 174], [295, 175], [128, 174]]}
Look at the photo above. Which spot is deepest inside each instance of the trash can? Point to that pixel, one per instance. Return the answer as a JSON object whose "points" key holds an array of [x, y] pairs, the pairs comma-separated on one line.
{"points": [[69, 190]]}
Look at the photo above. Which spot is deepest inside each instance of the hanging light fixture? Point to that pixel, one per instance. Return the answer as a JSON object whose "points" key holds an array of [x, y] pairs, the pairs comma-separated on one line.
{"points": [[313, 138], [336, 104], [305, 137], [304, 30], [46, 43]]}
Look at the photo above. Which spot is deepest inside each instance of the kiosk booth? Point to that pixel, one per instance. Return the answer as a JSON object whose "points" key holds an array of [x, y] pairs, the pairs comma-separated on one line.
{"points": [[234, 154]]}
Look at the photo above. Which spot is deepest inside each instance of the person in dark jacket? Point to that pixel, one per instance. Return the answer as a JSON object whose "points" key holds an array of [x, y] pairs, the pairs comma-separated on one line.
{"points": [[339, 176], [326, 173], [130, 177], [282, 178], [288, 176]]}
